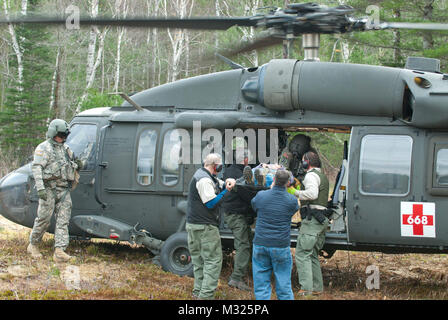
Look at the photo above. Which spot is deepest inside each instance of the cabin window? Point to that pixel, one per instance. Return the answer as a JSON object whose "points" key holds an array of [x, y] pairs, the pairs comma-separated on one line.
{"points": [[146, 156], [385, 165], [82, 141], [171, 155], [442, 167]]}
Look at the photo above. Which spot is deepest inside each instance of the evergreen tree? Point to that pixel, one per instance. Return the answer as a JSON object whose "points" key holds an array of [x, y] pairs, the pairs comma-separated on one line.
{"points": [[23, 120]]}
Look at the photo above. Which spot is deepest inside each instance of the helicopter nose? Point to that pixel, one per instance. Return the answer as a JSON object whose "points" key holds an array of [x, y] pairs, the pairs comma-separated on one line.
{"points": [[15, 196]]}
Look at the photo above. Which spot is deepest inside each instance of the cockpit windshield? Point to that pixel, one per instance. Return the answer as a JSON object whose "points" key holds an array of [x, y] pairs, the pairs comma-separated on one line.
{"points": [[82, 141]]}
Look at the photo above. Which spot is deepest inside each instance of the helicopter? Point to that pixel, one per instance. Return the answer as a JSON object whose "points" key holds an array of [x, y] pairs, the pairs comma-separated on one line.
{"points": [[390, 195]]}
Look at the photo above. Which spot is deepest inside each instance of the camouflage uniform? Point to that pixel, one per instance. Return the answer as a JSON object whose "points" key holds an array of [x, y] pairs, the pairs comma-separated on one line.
{"points": [[54, 171]]}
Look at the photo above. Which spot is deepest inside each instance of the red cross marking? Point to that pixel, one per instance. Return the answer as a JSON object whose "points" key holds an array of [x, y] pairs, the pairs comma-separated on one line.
{"points": [[417, 219]]}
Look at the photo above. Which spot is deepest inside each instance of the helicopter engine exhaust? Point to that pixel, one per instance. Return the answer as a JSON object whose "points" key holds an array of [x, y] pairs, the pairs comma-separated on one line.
{"points": [[415, 97]]}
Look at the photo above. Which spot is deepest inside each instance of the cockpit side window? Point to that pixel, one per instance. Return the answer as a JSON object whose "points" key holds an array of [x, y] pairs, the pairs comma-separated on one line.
{"points": [[442, 167], [82, 141], [146, 157], [385, 165], [171, 155]]}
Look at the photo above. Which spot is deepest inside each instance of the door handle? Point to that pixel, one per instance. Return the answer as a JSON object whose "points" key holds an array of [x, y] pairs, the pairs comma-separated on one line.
{"points": [[356, 208], [103, 164]]}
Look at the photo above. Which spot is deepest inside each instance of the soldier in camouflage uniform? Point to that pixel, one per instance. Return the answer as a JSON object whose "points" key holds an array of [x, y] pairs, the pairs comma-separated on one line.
{"points": [[53, 169]]}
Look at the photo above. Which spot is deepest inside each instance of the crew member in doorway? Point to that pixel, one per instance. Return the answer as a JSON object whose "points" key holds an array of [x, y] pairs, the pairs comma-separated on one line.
{"points": [[311, 238]]}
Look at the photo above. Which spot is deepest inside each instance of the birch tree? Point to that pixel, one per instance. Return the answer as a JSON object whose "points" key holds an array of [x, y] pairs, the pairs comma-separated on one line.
{"points": [[182, 8], [15, 44], [92, 61], [155, 44], [92, 40], [428, 8], [120, 6], [250, 9], [102, 37]]}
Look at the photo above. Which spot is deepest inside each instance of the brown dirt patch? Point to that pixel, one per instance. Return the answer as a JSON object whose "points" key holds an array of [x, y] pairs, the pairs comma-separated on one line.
{"points": [[108, 270]]}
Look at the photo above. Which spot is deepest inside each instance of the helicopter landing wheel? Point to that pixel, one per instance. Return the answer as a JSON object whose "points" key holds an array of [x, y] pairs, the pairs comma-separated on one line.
{"points": [[175, 256]]}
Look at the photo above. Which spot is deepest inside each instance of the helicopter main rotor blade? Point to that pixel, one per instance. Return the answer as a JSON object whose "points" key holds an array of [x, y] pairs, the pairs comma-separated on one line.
{"points": [[199, 23], [223, 54], [414, 25], [257, 44]]}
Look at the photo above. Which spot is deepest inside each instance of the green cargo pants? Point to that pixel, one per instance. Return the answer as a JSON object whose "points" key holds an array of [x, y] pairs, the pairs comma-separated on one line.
{"points": [[242, 243], [310, 241], [204, 244]]}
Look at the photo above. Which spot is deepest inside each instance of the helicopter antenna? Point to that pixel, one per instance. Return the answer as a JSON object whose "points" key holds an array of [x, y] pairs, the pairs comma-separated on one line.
{"points": [[128, 99], [232, 64]]}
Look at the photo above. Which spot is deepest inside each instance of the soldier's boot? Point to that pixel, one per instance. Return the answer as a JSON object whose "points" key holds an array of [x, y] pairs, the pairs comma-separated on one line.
{"points": [[34, 251], [60, 256]]}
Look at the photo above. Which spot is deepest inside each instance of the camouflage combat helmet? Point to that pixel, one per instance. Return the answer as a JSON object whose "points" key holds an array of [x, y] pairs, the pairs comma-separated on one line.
{"points": [[57, 126]]}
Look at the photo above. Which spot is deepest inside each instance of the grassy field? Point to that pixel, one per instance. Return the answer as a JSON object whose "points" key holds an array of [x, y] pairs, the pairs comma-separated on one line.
{"points": [[117, 271]]}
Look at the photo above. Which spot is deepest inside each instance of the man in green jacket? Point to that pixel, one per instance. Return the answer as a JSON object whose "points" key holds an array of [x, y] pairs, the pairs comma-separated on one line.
{"points": [[311, 238]]}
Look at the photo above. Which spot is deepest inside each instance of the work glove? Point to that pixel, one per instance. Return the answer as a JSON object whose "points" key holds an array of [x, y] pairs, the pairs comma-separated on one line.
{"points": [[291, 190], [42, 194]]}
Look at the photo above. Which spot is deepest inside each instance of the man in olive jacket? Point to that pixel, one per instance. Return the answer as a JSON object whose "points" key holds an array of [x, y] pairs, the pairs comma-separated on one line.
{"points": [[311, 238]]}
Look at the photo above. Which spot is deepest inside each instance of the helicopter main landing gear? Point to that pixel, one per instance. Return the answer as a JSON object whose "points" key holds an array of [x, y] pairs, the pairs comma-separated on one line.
{"points": [[175, 256]]}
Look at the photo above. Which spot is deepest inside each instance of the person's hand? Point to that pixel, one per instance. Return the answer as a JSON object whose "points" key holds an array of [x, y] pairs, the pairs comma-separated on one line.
{"points": [[79, 163], [42, 194], [230, 183]]}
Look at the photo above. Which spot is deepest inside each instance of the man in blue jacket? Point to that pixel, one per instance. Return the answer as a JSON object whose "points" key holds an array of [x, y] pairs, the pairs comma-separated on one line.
{"points": [[271, 245]]}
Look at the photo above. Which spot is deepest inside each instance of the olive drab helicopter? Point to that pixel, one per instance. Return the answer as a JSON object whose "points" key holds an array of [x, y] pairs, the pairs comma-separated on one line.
{"points": [[391, 194]]}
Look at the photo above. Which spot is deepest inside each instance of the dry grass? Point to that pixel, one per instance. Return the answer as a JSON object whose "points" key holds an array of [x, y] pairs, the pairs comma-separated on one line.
{"points": [[118, 271]]}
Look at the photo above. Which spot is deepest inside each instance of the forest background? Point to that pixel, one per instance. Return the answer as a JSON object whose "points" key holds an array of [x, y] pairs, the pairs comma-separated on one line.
{"points": [[52, 72]]}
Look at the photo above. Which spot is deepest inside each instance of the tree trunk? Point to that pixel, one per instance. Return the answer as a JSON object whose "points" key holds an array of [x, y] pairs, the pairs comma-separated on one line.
{"points": [[92, 41], [428, 41], [249, 33], [397, 41], [24, 6], [95, 67], [155, 48], [15, 44], [177, 37], [54, 97], [119, 5]]}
